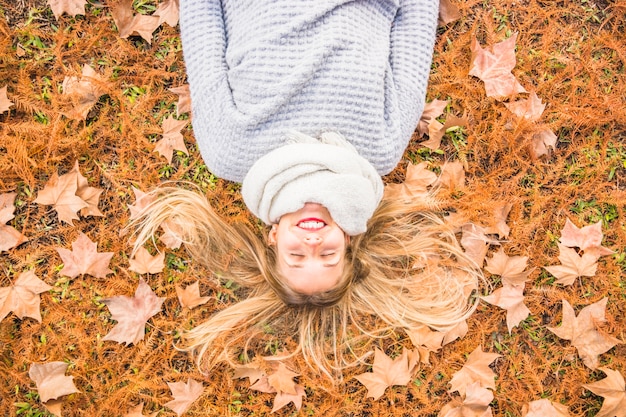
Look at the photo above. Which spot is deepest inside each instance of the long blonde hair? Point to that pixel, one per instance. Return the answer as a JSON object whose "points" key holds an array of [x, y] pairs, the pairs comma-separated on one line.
{"points": [[407, 270]]}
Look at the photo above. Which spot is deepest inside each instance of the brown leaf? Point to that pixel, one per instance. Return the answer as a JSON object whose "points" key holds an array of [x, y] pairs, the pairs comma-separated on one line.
{"points": [[282, 379], [172, 234], [613, 389], [144, 263], [418, 179], [184, 395], [5, 103], [476, 369], [511, 298], [168, 12], [51, 380], [432, 110], [540, 142], [452, 175], [71, 7], [475, 404], [7, 207], [475, 242], [184, 99], [90, 195], [499, 226], [190, 297], [582, 331], [251, 371], [84, 258], [283, 398], [263, 385], [457, 332], [129, 24], [9, 237], [494, 65], [137, 411], [448, 12], [530, 109], [60, 192], [510, 268], [22, 298], [386, 372], [85, 92], [572, 266], [132, 313], [587, 238], [426, 340], [544, 408], [142, 200], [172, 138]]}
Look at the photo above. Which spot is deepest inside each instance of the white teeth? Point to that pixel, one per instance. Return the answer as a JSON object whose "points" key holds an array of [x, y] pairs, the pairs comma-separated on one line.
{"points": [[311, 225]]}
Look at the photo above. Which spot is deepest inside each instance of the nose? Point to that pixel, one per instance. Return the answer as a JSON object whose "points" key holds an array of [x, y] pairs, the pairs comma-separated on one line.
{"points": [[312, 240]]}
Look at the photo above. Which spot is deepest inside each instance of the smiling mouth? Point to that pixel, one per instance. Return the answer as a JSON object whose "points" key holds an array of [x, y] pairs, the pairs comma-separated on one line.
{"points": [[311, 224]]}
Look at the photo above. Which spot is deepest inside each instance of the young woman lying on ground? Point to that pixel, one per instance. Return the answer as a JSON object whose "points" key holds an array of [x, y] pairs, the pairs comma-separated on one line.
{"points": [[308, 103]]}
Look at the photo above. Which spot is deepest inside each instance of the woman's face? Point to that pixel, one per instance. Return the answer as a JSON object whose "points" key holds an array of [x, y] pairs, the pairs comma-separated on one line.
{"points": [[310, 249]]}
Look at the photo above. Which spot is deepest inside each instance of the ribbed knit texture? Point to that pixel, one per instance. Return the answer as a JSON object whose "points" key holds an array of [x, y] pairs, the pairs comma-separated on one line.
{"points": [[260, 68]]}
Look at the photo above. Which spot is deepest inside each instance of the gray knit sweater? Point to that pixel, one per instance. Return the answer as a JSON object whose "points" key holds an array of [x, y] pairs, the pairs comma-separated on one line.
{"points": [[260, 68]]}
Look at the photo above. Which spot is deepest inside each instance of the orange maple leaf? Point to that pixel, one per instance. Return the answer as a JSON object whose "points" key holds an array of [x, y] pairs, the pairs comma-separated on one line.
{"points": [[22, 298], [128, 23], [417, 180], [284, 398], [190, 296], [530, 108], [448, 12], [168, 12], [90, 195], [499, 226], [475, 403], [476, 369], [85, 92], [572, 266], [184, 99], [386, 372], [51, 380], [5, 103], [144, 263], [132, 313], [511, 298], [494, 65], [613, 389], [583, 332], [84, 258], [172, 138], [184, 395], [142, 200], [587, 238], [510, 268], [60, 192], [71, 7]]}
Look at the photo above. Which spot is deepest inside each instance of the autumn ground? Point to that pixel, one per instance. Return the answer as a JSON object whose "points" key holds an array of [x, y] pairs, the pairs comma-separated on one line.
{"points": [[572, 54]]}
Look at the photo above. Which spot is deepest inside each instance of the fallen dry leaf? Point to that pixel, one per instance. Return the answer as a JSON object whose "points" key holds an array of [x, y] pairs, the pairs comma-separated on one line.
{"points": [[5, 103], [132, 314], [587, 238], [263, 385], [71, 7], [84, 258], [142, 200], [572, 266], [51, 380], [494, 65], [475, 403], [90, 195], [172, 234], [168, 12], [613, 389], [184, 99], [9, 236], [184, 395], [499, 226], [457, 332], [432, 110], [448, 12], [282, 379], [583, 332], [137, 411], [251, 371], [190, 297], [511, 298], [22, 298], [476, 369], [510, 268], [541, 142], [60, 192], [530, 108], [476, 242], [452, 175], [426, 341], [84, 91], [172, 138], [128, 23], [386, 372], [283, 398], [417, 180], [544, 408], [144, 263]]}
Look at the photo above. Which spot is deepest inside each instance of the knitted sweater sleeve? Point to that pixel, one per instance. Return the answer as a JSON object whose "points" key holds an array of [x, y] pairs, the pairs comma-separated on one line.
{"points": [[412, 41]]}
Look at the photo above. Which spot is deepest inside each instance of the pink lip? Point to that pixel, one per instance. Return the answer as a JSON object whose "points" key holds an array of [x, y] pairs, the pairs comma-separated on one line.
{"points": [[312, 219]]}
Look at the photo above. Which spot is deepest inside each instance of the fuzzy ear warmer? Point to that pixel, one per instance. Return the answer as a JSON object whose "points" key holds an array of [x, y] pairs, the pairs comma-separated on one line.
{"points": [[327, 171]]}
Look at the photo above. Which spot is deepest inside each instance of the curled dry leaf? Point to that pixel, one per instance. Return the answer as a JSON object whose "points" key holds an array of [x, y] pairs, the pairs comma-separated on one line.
{"points": [[51, 380], [583, 332], [85, 92], [132, 314], [542, 141], [511, 298], [172, 138], [386, 372], [494, 65], [84, 258], [90, 195], [544, 408], [613, 389], [9, 236], [5, 103], [71, 7], [184, 99], [184, 395], [190, 296], [426, 341], [476, 242], [572, 266], [476, 369], [22, 298], [144, 263]]}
